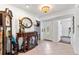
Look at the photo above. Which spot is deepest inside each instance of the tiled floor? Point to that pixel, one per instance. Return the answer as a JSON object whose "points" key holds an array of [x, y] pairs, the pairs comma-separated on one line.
{"points": [[50, 48]]}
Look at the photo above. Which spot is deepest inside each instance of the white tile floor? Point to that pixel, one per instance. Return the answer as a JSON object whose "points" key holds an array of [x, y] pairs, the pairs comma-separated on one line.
{"points": [[50, 48]]}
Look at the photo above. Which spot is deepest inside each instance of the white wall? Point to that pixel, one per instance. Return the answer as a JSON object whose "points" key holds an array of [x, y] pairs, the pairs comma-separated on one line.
{"points": [[59, 30], [55, 32], [75, 41], [66, 23], [54, 26], [17, 13], [51, 30], [44, 30]]}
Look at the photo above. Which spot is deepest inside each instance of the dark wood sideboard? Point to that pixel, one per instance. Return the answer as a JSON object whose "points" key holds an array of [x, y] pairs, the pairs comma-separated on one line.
{"points": [[30, 40]]}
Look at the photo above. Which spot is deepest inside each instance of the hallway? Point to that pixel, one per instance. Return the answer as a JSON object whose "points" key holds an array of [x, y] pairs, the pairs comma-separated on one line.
{"points": [[50, 48], [21, 31]]}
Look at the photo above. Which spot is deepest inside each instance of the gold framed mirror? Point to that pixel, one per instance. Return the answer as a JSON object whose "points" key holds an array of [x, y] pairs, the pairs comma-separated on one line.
{"points": [[26, 22]]}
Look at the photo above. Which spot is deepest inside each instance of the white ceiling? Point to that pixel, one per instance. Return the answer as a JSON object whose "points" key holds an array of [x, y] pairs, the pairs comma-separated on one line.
{"points": [[34, 9]]}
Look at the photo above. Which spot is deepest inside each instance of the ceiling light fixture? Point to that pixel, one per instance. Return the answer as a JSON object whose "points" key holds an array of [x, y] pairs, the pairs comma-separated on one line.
{"points": [[45, 8]]}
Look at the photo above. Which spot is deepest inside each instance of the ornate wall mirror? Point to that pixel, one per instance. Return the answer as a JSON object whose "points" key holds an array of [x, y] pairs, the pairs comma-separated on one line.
{"points": [[25, 22]]}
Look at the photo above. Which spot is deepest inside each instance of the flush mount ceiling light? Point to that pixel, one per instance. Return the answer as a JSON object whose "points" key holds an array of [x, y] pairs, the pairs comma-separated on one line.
{"points": [[45, 8]]}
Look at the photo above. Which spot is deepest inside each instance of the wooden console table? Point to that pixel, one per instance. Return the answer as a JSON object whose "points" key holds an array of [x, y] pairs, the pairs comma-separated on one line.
{"points": [[27, 40]]}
